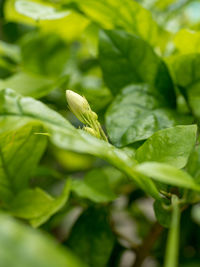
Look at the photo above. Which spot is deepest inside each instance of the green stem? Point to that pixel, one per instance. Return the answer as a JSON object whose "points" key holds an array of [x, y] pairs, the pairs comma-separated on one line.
{"points": [[171, 256], [104, 137]]}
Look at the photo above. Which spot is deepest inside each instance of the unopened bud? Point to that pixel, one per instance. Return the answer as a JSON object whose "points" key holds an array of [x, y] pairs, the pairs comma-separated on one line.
{"points": [[78, 105], [90, 131]]}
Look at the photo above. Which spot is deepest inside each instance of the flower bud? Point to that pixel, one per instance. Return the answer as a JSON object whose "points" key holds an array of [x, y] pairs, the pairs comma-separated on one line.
{"points": [[90, 131], [78, 105]]}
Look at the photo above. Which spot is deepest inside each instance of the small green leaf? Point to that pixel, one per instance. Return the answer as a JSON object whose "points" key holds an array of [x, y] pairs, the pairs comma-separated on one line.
{"points": [[137, 113], [167, 174], [127, 59], [172, 146], [195, 213], [22, 246], [193, 165], [92, 238], [95, 186], [163, 215], [36, 205]]}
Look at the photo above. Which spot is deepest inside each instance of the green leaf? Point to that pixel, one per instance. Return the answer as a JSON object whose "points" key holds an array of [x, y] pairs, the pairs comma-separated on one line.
{"points": [[171, 256], [95, 186], [137, 113], [16, 111], [37, 74], [30, 84], [38, 11], [164, 4], [190, 39], [21, 246], [187, 77], [126, 59], [167, 174], [195, 213], [172, 146], [193, 166], [20, 152], [49, 17], [123, 14], [163, 215], [36, 205], [92, 238], [44, 54], [10, 50]]}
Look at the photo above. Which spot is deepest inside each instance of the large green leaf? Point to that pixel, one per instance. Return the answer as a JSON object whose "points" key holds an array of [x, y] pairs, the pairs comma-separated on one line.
{"points": [[124, 14], [20, 151], [126, 59], [92, 238], [186, 70], [16, 111], [167, 174], [172, 146], [21, 246], [36, 205], [137, 113]]}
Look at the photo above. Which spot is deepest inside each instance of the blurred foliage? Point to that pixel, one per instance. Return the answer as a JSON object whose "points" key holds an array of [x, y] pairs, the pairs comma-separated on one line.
{"points": [[137, 63]]}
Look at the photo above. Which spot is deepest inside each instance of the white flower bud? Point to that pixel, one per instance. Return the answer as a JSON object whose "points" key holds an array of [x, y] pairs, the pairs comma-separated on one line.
{"points": [[78, 105]]}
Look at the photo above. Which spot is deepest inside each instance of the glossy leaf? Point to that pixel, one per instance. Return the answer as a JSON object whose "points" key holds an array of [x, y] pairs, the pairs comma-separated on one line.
{"points": [[126, 59], [94, 246], [167, 174], [21, 246], [137, 113], [172, 146]]}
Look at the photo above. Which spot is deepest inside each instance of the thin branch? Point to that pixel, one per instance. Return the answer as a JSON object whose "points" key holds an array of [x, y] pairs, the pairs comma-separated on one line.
{"points": [[144, 249]]}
